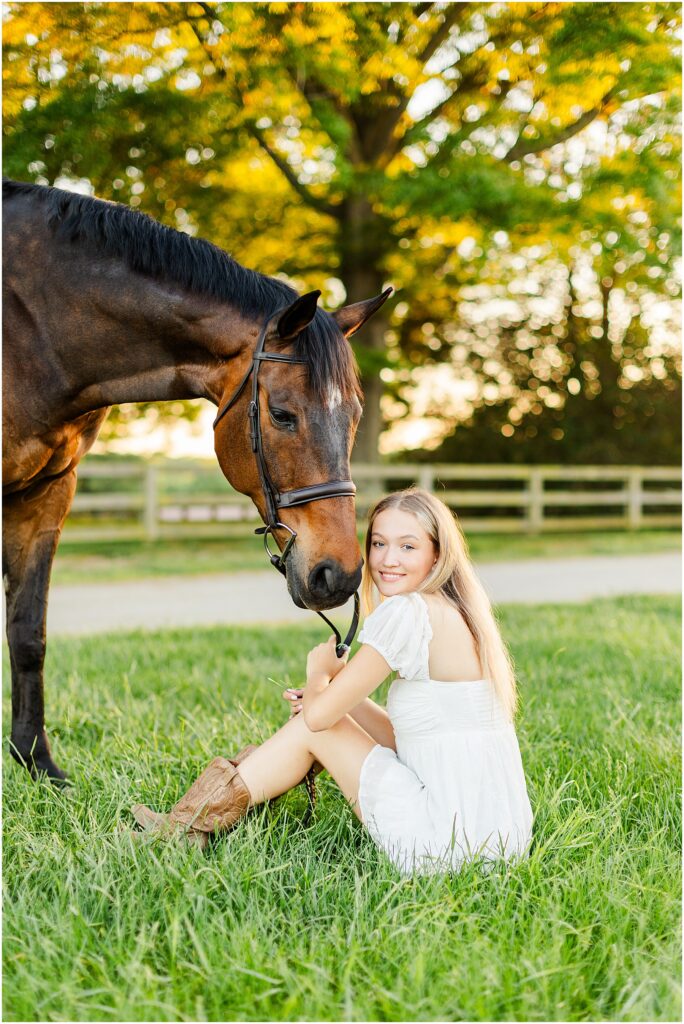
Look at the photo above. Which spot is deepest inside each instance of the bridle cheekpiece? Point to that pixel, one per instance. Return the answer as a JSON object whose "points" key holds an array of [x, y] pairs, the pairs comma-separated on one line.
{"points": [[273, 498]]}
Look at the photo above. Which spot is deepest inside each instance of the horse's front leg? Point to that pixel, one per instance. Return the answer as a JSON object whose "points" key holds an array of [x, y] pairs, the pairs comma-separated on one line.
{"points": [[32, 522]]}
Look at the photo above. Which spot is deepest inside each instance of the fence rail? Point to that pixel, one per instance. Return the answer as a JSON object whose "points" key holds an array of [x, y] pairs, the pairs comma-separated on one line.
{"points": [[173, 498]]}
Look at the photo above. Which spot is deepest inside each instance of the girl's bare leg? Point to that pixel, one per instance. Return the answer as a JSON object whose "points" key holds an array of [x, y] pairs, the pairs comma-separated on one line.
{"points": [[283, 760]]}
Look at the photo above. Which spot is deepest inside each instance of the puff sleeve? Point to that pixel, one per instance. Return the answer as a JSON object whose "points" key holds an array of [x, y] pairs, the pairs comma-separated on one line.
{"points": [[399, 629]]}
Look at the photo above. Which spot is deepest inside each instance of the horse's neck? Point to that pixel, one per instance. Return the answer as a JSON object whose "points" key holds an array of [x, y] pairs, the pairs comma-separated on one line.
{"points": [[147, 341], [82, 332]]}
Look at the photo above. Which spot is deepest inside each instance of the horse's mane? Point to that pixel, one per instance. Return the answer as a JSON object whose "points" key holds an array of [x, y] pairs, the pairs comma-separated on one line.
{"points": [[150, 248]]}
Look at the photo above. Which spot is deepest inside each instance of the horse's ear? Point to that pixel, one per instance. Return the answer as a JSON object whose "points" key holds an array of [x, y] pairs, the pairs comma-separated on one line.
{"points": [[297, 316], [350, 318]]}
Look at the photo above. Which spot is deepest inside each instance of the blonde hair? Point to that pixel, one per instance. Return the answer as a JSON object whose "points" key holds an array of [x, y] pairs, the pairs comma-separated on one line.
{"points": [[453, 576]]}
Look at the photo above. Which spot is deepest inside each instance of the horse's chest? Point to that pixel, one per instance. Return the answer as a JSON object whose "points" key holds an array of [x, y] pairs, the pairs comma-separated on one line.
{"points": [[39, 458]]}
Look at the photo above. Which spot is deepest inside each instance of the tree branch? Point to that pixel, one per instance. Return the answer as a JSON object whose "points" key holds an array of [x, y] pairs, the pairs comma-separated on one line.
{"points": [[311, 200], [209, 11], [470, 82], [526, 147], [383, 145], [451, 17], [219, 68], [422, 8]]}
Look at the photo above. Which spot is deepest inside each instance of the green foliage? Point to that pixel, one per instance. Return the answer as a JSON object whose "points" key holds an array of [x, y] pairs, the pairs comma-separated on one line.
{"points": [[369, 142], [489, 191], [283, 922], [618, 412]]}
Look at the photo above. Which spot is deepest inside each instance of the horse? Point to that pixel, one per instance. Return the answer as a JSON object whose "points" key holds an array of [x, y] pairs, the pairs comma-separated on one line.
{"points": [[103, 305]]}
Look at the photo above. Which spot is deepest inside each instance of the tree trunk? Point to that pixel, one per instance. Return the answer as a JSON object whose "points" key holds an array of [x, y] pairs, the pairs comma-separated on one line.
{"points": [[362, 241], [366, 448]]}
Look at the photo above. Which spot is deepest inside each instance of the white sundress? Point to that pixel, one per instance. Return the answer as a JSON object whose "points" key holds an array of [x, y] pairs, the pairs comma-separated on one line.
{"points": [[455, 788]]}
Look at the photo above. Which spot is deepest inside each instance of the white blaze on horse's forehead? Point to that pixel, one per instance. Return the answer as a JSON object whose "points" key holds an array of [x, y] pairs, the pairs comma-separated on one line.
{"points": [[333, 398]]}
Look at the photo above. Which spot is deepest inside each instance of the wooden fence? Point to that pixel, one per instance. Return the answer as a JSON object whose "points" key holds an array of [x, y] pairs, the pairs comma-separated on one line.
{"points": [[174, 499]]}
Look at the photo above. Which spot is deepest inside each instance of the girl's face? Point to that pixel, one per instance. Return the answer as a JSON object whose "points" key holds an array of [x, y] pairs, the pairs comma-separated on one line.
{"points": [[401, 552]]}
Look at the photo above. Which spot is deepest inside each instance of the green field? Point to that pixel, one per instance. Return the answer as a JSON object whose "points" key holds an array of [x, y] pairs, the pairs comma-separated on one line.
{"points": [[285, 922], [242, 551]]}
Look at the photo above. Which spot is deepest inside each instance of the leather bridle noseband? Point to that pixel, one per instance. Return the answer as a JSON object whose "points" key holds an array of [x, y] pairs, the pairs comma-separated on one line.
{"points": [[275, 499]]}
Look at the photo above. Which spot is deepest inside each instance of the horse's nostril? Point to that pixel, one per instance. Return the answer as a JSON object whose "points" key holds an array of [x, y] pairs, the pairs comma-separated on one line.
{"points": [[323, 580], [329, 585]]}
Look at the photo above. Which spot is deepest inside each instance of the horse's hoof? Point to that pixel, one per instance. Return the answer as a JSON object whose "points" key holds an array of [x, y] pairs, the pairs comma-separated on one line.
{"points": [[50, 771], [39, 764]]}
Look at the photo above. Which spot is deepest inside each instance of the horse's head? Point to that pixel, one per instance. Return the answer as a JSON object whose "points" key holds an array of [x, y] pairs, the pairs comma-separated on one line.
{"points": [[308, 412]]}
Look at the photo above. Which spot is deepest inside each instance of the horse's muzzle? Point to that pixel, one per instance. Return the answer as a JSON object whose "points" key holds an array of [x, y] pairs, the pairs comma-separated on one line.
{"points": [[329, 585]]}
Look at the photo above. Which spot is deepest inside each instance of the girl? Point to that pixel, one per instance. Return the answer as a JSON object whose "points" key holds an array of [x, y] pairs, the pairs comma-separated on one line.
{"points": [[437, 777]]}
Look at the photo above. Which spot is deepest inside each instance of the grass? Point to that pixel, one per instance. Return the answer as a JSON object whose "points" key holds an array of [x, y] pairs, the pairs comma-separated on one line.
{"points": [[242, 551], [285, 922]]}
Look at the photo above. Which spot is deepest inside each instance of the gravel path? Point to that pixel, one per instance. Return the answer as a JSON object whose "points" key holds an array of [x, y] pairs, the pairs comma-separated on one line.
{"points": [[257, 597]]}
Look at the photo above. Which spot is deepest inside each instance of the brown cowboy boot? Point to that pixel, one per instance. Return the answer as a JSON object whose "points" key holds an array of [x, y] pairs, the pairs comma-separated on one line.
{"points": [[196, 814], [214, 803]]}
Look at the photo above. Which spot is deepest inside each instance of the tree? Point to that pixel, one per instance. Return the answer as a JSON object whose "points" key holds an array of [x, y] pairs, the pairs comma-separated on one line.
{"points": [[588, 380], [359, 141]]}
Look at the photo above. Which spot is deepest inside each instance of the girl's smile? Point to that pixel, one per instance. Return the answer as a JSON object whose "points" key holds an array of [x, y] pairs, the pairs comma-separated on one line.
{"points": [[401, 554]]}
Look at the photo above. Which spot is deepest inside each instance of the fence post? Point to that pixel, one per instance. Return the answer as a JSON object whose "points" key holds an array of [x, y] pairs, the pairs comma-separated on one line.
{"points": [[535, 509], [426, 479], [634, 499], [151, 507]]}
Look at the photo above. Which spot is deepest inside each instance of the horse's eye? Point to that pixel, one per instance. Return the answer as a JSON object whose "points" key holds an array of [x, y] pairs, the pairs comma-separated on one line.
{"points": [[281, 418]]}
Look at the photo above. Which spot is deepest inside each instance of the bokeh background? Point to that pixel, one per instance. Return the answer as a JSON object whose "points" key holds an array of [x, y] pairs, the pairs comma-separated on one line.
{"points": [[512, 169]]}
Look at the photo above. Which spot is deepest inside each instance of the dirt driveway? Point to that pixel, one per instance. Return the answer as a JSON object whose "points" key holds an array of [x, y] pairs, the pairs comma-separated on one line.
{"points": [[262, 597]]}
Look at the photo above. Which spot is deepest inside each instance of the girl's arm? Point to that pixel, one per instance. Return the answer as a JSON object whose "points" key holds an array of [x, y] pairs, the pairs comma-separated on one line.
{"points": [[324, 705], [369, 715], [375, 720]]}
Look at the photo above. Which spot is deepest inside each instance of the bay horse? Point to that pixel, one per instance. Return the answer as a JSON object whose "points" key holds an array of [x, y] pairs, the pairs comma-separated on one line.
{"points": [[103, 305]]}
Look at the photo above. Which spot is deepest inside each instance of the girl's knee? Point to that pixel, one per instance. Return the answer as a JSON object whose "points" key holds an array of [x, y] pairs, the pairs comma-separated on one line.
{"points": [[298, 723]]}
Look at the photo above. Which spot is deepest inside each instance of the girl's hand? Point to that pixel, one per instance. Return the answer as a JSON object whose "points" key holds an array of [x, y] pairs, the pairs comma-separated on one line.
{"points": [[323, 661], [294, 697]]}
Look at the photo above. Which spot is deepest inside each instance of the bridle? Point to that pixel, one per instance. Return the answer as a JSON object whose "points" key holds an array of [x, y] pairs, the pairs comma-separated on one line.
{"points": [[275, 499]]}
